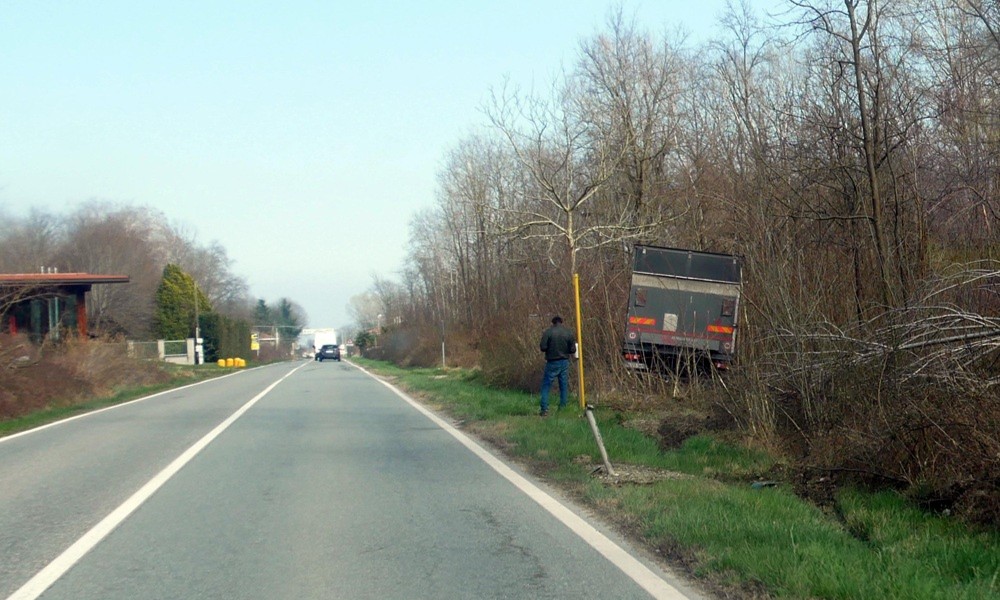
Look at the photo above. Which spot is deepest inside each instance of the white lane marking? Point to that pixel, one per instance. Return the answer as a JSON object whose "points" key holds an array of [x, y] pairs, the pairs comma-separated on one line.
{"points": [[106, 408], [42, 580], [628, 564]]}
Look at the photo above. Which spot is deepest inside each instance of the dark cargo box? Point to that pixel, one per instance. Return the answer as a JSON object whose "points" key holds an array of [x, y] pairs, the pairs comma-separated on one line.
{"points": [[682, 303]]}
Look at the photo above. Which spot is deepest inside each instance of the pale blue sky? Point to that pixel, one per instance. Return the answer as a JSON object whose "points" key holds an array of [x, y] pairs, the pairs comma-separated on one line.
{"points": [[302, 135]]}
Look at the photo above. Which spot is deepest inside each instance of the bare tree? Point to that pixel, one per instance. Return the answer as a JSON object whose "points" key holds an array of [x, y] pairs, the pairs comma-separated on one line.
{"points": [[986, 14], [365, 310], [107, 239], [29, 243], [960, 45], [567, 170], [631, 86], [863, 50], [480, 181]]}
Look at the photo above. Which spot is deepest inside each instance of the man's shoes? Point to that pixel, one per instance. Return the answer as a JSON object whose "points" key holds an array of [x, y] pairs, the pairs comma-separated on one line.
{"points": [[543, 413]]}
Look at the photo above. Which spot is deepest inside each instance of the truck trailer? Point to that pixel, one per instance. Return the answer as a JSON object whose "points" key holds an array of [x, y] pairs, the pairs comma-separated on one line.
{"points": [[322, 337], [683, 309]]}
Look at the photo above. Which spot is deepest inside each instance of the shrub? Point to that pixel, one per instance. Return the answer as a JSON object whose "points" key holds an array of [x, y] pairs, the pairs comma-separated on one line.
{"points": [[62, 374]]}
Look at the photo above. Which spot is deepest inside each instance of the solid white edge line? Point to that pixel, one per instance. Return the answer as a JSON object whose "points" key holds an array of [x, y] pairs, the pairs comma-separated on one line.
{"points": [[44, 579], [107, 408], [628, 564]]}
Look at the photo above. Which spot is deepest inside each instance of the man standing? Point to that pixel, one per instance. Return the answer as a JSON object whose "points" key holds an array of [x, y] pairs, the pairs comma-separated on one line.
{"points": [[558, 344]]}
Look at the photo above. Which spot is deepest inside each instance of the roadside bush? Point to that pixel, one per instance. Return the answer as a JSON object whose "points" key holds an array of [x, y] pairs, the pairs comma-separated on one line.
{"points": [[224, 337], [512, 360], [409, 347], [421, 347], [937, 442], [35, 377], [907, 400], [268, 353]]}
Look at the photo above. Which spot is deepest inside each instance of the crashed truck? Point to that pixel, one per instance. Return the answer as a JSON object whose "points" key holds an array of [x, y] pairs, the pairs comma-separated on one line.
{"points": [[683, 310]]}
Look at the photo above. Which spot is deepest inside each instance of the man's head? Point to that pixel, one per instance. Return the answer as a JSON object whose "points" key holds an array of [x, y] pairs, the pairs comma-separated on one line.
{"points": [[556, 320]]}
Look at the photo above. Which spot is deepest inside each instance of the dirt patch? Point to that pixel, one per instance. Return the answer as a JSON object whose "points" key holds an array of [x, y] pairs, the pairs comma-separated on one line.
{"points": [[674, 429], [627, 474], [819, 489], [675, 414]]}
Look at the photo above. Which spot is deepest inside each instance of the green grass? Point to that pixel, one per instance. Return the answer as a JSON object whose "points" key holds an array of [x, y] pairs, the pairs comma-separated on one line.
{"points": [[729, 533]]}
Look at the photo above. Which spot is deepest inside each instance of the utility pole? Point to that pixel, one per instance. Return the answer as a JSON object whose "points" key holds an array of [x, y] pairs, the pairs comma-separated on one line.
{"points": [[198, 348]]}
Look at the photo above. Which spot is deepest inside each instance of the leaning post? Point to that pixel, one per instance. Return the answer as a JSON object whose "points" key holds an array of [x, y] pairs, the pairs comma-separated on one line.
{"points": [[600, 442]]}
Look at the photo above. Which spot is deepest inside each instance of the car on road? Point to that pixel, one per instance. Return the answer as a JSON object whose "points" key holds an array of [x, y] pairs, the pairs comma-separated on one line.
{"points": [[328, 352]]}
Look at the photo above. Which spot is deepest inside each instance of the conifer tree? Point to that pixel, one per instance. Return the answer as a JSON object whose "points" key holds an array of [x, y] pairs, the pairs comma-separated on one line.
{"points": [[174, 318]]}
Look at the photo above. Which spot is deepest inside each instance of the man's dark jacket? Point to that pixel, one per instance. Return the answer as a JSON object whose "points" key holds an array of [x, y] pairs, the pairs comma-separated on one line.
{"points": [[558, 343]]}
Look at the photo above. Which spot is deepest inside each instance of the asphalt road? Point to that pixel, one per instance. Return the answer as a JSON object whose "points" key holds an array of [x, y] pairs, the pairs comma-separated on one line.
{"points": [[297, 480]]}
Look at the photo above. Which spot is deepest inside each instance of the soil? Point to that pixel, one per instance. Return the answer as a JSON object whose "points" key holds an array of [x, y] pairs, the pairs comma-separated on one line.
{"points": [[626, 474], [675, 429]]}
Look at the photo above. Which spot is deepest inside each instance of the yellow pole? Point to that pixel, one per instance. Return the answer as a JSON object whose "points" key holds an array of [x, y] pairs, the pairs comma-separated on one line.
{"points": [[579, 339]]}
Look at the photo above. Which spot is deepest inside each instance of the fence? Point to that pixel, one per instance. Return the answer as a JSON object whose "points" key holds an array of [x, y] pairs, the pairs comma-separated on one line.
{"points": [[175, 351]]}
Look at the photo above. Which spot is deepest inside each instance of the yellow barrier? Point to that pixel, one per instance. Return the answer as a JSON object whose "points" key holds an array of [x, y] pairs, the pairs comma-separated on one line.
{"points": [[232, 362]]}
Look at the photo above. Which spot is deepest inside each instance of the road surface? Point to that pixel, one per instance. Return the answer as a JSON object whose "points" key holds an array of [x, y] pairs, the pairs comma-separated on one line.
{"points": [[296, 480]]}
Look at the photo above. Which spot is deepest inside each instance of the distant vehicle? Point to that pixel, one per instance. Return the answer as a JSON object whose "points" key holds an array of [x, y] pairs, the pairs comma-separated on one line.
{"points": [[322, 337], [328, 352], [683, 303]]}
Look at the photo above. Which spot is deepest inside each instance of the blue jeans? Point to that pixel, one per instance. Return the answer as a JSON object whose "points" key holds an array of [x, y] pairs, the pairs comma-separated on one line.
{"points": [[555, 369]]}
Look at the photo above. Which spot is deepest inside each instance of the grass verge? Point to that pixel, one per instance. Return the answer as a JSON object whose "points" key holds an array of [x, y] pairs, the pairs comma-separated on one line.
{"points": [[178, 375], [703, 514]]}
